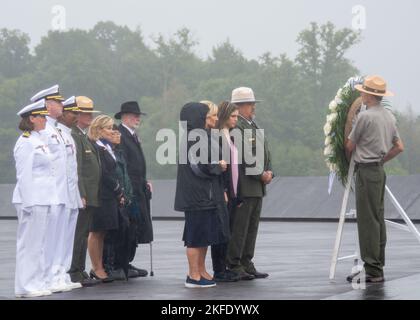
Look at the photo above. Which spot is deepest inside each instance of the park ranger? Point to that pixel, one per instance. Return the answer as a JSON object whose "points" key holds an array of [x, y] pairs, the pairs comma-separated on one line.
{"points": [[252, 189], [34, 197], [89, 173], [374, 140], [58, 220]]}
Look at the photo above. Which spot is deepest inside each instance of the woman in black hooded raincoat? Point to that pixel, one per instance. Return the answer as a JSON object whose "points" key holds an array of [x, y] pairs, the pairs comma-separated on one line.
{"points": [[200, 194]]}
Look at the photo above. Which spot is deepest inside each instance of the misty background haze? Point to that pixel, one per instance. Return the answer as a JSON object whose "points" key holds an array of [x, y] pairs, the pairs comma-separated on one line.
{"points": [[295, 55], [389, 46]]}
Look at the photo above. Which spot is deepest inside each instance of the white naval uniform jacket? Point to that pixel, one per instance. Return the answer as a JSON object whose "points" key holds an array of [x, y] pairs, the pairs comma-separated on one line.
{"points": [[75, 201], [36, 184], [57, 147]]}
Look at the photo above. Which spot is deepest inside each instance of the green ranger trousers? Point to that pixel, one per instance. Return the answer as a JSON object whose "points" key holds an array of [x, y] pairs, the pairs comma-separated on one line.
{"points": [[244, 229], [370, 191], [78, 262]]}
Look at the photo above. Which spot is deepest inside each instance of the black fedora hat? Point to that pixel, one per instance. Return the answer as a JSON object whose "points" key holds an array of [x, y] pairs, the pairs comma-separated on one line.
{"points": [[129, 107]]}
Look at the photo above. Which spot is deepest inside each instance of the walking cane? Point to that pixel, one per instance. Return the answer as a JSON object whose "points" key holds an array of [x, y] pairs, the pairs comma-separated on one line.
{"points": [[151, 246], [151, 260]]}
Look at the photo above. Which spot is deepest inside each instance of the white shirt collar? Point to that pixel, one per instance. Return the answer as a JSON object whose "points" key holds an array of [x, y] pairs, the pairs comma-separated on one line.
{"points": [[107, 147], [129, 129], [84, 131], [249, 121], [51, 121], [64, 127]]}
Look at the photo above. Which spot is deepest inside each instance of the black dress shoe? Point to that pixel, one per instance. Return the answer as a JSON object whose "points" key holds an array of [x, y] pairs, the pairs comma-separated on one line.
{"points": [[140, 272], [259, 275], [226, 276], [76, 276], [368, 278], [89, 282], [104, 280], [242, 275], [373, 279], [352, 276], [132, 273], [118, 275]]}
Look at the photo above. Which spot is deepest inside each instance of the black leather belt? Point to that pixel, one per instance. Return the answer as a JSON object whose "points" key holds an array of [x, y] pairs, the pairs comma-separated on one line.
{"points": [[369, 164]]}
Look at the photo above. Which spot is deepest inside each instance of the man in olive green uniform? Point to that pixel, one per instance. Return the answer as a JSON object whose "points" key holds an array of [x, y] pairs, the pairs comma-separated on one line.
{"points": [[252, 188], [375, 140], [89, 173]]}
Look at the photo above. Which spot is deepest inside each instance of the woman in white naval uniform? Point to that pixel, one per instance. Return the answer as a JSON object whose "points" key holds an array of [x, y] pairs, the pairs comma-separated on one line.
{"points": [[58, 219], [66, 121], [34, 195]]}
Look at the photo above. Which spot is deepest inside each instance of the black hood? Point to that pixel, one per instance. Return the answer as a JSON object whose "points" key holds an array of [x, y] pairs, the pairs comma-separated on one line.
{"points": [[195, 114]]}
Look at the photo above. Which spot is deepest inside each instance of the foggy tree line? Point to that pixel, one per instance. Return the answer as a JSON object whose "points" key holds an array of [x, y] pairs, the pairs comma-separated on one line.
{"points": [[112, 64]]}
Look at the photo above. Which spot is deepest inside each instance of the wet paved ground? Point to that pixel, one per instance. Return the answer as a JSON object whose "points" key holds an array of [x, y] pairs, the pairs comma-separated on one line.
{"points": [[295, 254]]}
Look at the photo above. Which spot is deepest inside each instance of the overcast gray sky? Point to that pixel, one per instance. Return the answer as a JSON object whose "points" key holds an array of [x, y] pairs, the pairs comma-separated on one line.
{"points": [[390, 45]]}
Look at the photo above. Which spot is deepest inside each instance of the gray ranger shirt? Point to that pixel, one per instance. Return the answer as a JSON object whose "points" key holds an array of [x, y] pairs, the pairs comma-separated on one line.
{"points": [[374, 134]]}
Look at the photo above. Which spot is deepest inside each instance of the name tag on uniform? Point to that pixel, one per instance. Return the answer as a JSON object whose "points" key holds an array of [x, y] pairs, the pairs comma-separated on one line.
{"points": [[42, 148], [54, 136], [70, 148], [88, 151]]}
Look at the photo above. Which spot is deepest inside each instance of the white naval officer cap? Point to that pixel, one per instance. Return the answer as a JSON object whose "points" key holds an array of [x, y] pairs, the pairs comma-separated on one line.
{"points": [[52, 93], [37, 108], [71, 104]]}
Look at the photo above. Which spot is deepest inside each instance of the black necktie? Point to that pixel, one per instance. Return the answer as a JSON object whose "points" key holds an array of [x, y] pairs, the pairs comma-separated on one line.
{"points": [[136, 138]]}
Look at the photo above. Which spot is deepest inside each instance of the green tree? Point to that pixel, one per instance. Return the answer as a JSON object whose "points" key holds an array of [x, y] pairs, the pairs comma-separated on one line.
{"points": [[177, 60], [322, 59], [226, 61], [409, 129], [15, 58], [112, 64]]}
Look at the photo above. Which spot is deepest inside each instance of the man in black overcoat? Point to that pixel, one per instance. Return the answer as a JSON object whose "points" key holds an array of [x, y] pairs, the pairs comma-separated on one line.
{"points": [[140, 217]]}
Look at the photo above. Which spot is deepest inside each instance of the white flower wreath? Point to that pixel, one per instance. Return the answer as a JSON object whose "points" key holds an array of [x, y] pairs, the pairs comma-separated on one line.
{"points": [[334, 127]]}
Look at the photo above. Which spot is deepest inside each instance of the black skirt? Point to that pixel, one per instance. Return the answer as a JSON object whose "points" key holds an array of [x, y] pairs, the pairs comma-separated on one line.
{"points": [[105, 217], [205, 228]]}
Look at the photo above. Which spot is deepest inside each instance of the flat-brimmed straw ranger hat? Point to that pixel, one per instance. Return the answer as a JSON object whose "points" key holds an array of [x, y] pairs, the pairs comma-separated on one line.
{"points": [[243, 95], [374, 85], [37, 108], [80, 104]]}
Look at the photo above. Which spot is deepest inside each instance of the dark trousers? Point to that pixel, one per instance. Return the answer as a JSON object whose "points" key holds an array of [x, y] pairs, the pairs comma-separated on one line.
{"points": [[112, 254], [109, 254], [117, 250], [245, 222], [140, 222], [370, 191], [218, 257], [132, 242], [134, 222], [219, 251], [78, 262]]}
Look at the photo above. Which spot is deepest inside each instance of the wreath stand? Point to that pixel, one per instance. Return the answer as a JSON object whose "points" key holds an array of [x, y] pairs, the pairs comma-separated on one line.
{"points": [[408, 226]]}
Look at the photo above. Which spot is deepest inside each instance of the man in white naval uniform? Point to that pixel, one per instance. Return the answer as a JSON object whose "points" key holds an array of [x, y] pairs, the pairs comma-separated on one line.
{"points": [[66, 122], [58, 220]]}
